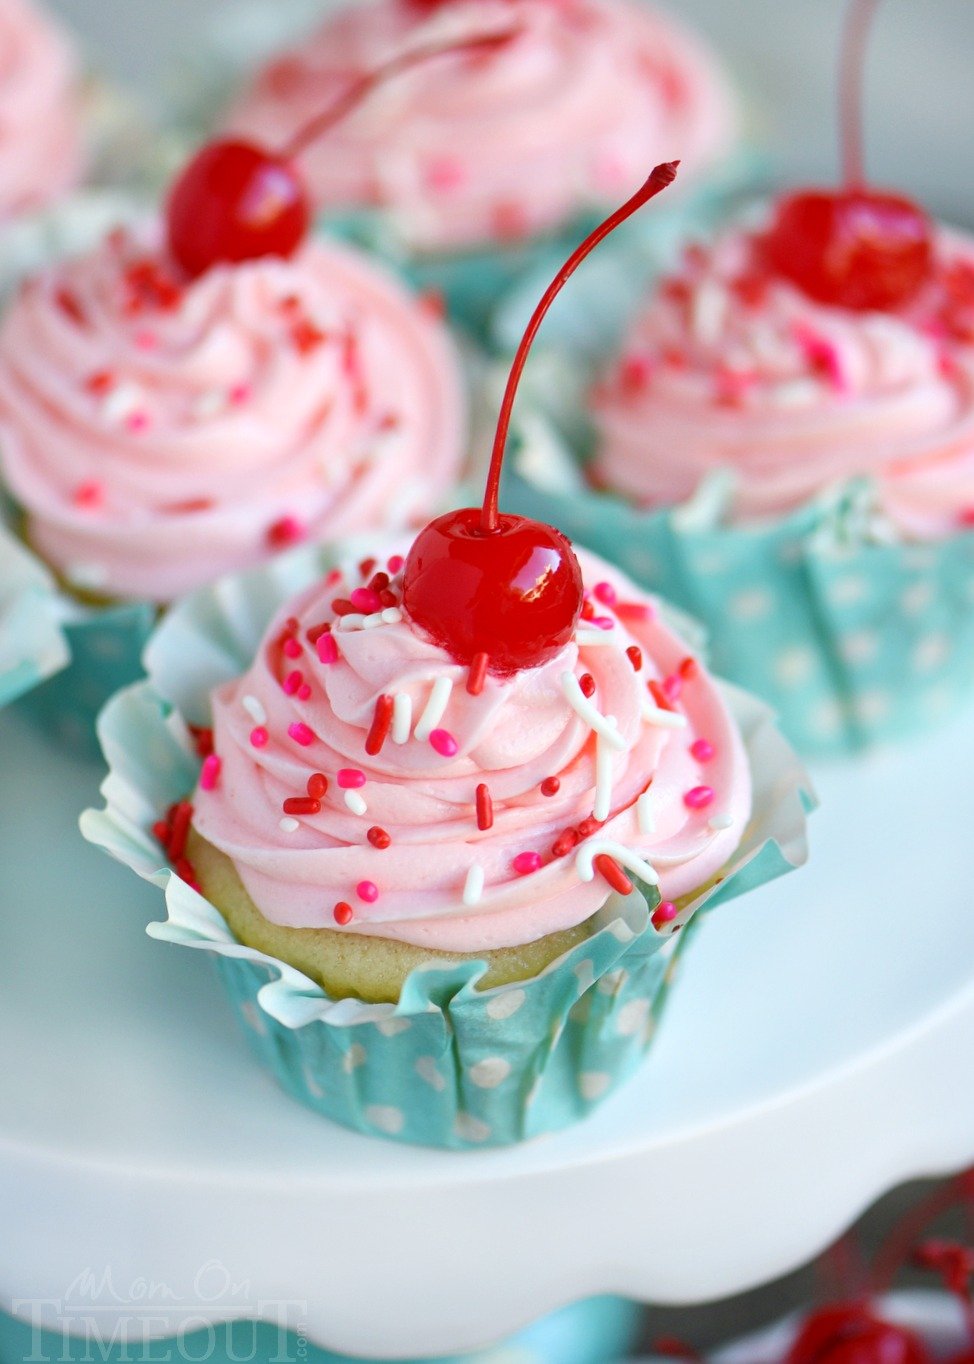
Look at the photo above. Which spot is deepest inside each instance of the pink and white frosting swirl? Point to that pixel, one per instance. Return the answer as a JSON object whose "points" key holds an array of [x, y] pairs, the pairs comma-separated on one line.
{"points": [[158, 434], [729, 368], [497, 146], [621, 745], [41, 142]]}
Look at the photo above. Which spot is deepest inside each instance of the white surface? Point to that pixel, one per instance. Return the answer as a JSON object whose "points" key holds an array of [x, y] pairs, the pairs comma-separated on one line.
{"points": [[817, 1050]]}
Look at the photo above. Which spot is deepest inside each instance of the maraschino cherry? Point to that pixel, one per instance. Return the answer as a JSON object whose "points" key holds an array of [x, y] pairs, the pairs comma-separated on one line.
{"points": [[495, 587], [854, 247], [238, 201], [852, 1333]]}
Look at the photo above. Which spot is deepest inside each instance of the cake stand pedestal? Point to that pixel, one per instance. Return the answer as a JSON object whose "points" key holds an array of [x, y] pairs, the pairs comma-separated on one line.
{"points": [[816, 1051]]}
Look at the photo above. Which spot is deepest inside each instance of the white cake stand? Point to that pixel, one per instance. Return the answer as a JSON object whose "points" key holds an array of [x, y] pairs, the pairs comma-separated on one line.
{"points": [[817, 1050]]}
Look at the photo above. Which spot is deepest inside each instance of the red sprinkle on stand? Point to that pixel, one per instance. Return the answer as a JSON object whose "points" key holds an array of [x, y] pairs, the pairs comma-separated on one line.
{"points": [[609, 869], [317, 785], [342, 913], [550, 786], [477, 673], [302, 805], [381, 725], [378, 837], [485, 808]]}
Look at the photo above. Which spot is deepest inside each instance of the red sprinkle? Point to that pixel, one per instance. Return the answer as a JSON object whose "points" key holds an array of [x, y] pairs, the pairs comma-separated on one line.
{"points": [[672, 687], [609, 868], [703, 750], [366, 567], [477, 674], [550, 786], [342, 913], [589, 826], [485, 807], [587, 684], [350, 777], [259, 737], [379, 729], [287, 531], [301, 734], [378, 837], [367, 891], [304, 692], [100, 383], [664, 913], [210, 772], [302, 805], [202, 740], [292, 648], [327, 647], [564, 843], [688, 668], [292, 682], [180, 816], [698, 797], [635, 656], [395, 564], [444, 743], [659, 695], [317, 785], [526, 862], [88, 494], [160, 831], [342, 606]]}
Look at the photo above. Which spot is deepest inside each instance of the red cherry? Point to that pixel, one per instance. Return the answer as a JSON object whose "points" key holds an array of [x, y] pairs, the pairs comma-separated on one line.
{"points": [[514, 593], [235, 202], [853, 1334], [854, 249]]}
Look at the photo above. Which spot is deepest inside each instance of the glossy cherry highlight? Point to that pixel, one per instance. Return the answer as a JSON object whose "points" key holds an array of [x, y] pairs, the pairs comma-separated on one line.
{"points": [[479, 582]]}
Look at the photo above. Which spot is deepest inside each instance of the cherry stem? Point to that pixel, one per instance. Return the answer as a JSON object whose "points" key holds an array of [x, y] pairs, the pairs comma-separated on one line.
{"points": [[854, 42], [361, 88], [911, 1226], [662, 175]]}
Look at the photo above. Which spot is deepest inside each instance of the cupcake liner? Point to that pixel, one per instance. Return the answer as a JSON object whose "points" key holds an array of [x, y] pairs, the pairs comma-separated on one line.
{"points": [[32, 645], [448, 1065], [852, 635]]}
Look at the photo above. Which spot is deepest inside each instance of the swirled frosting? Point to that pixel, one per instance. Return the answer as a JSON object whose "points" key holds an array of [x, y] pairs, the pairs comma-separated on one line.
{"points": [[727, 367], [500, 145], [666, 776], [41, 150], [158, 435]]}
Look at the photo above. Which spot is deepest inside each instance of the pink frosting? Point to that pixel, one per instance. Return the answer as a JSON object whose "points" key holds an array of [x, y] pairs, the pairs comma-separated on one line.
{"points": [[471, 149], [293, 715], [728, 368], [41, 150], [160, 435]]}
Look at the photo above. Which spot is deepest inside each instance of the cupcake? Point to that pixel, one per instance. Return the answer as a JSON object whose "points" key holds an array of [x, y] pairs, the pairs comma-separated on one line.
{"points": [[785, 441], [470, 169], [32, 645], [164, 420], [463, 795]]}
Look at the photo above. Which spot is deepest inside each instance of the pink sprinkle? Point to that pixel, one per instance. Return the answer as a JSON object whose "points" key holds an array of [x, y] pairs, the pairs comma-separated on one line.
{"points": [[146, 340], [364, 599], [824, 356], [292, 682], [302, 735], [635, 372], [698, 797], [702, 750], [327, 648], [367, 891], [444, 743], [292, 649], [304, 692], [350, 777], [672, 687], [664, 913], [333, 577], [965, 517], [138, 421], [602, 622], [259, 737], [287, 531], [240, 393], [526, 862], [395, 564], [210, 772], [605, 593], [88, 494], [445, 172]]}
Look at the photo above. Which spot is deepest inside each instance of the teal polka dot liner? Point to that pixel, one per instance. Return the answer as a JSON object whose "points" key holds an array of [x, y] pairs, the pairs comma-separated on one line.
{"points": [[32, 643], [449, 1065], [854, 638]]}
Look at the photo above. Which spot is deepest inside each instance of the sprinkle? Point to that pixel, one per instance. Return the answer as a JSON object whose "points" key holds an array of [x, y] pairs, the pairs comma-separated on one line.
{"points": [[672, 687], [304, 692], [584, 708], [302, 805], [342, 913], [444, 743], [587, 684], [485, 807], [473, 886], [608, 868], [210, 772], [100, 383], [635, 657], [636, 610], [373, 621], [603, 623], [603, 776], [605, 593], [349, 620], [664, 913], [292, 648], [288, 530], [88, 494], [644, 814], [378, 837], [367, 891], [301, 734], [254, 709], [327, 648], [718, 822], [658, 694], [121, 401], [526, 862], [391, 615], [689, 668], [599, 634], [292, 682], [587, 853], [379, 730], [661, 717], [202, 740], [350, 777], [138, 421], [239, 394], [395, 564], [703, 750], [355, 803], [477, 674], [402, 717], [317, 785], [564, 843], [589, 826], [550, 786], [698, 797], [259, 737], [182, 813], [439, 699], [365, 600], [288, 825]]}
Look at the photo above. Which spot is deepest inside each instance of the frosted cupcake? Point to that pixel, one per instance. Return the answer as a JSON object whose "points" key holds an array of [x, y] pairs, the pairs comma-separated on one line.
{"points": [[463, 796], [468, 164], [32, 646], [786, 441]]}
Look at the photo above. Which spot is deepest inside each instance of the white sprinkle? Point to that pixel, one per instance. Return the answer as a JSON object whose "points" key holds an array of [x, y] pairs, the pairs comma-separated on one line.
{"points": [[391, 615], [370, 622], [254, 709], [353, 621], [473, 887], [122, 401], [355, 803], [720, 821], [603, 775], [586, 638], [644, 814], [93, 577], [794, 393], [655, 715], [288, 824], [588, 852], [439, 699], [209, 404], [708, 312], [402, 717], [582, 706]]}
